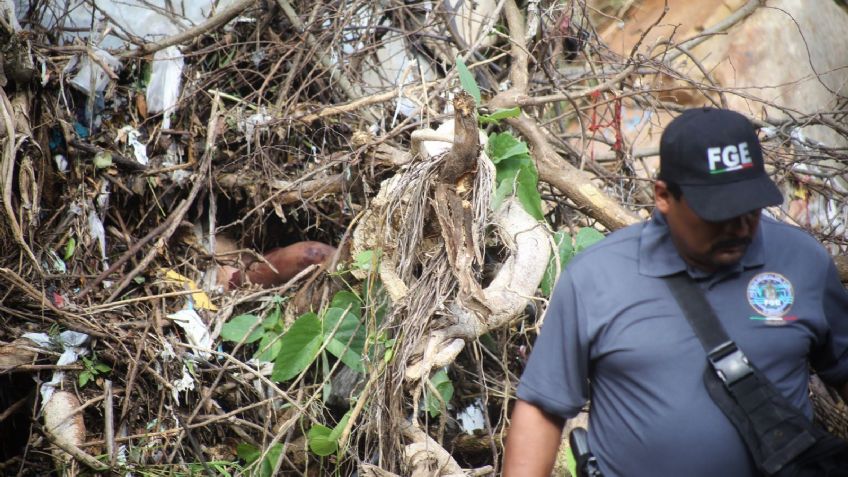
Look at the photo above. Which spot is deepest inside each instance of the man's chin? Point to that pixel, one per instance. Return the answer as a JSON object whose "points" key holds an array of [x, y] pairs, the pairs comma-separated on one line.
{"points": [[728, 256]]}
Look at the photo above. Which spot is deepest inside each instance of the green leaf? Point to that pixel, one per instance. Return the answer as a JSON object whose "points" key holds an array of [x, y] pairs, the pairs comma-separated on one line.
{"points": [[586, 237], [247, 452], [443, 385], [504, 146], [349, 331], [325, 441], [269, 347], [466, 79], [565, 252], [237, 328], [347, 300], [298, 347], [275, 453], [500, 114], [272, 322], [321, 440], [102, 160], [527, 191], [366, 260], [102, 367], [70, 247], [84, 378]]}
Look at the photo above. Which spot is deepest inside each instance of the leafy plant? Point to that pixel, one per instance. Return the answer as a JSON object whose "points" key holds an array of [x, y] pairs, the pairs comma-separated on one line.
{"points": [[93, 368], [324, 441], [251, 328], [251, 454], [438, 393], [516, 173], [567, 248], [466, 79]]}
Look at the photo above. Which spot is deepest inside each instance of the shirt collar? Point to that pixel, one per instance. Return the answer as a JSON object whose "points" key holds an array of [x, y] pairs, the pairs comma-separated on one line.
{"points": [[658, 256]]}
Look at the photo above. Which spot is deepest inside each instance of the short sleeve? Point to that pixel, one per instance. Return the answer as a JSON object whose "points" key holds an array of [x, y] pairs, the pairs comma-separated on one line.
{"points": [[556, 376], [830, 358]]}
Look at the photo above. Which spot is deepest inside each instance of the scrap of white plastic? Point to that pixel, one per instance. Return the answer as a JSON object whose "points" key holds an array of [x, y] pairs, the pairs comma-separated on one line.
{"points": [[73, 346], [185, 383], [163, 91], [132, 135], [88, 68], [197, 333], [255, 121], [97, 232], [471, 418]]}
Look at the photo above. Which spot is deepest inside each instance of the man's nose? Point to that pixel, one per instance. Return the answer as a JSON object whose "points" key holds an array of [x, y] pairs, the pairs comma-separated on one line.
{"points": [[741, 226]]}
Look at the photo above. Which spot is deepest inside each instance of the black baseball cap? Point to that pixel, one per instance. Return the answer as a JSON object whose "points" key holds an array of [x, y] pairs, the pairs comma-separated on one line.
{"points": [[715, 157]]}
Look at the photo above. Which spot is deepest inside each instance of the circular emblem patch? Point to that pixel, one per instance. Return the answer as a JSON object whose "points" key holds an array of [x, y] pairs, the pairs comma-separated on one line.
{"points": [[770, 294]]}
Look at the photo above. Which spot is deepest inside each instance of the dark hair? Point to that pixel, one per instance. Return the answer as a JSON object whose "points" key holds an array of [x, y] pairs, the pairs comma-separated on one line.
{"points": [[673, 188]]}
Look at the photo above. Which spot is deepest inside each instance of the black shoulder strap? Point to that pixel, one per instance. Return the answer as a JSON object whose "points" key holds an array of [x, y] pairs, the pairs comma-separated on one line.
{"points": [[774, 430]]}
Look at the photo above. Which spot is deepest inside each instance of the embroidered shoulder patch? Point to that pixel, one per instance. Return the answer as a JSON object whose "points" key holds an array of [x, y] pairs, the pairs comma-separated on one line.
{"points": [[770, 294]]}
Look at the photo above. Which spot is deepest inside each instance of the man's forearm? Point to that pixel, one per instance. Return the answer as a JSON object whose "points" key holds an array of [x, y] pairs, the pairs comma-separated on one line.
{"points": [[532, 441]]}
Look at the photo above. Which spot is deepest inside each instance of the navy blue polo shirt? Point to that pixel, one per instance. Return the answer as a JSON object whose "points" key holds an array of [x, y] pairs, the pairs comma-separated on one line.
{"points": [[613, 333]]}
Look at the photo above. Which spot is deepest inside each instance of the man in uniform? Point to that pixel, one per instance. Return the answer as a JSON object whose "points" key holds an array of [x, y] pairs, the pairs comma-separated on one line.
{"points": [[615, 334]]}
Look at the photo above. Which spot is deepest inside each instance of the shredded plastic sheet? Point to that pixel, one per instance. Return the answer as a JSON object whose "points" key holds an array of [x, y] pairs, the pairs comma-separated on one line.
{"points": [[471, 418], [196, 331], [131, 135], [89, 72], [73, 345], [163, 91]]}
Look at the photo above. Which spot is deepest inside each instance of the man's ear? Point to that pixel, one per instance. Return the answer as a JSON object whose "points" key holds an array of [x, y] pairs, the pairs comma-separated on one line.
{"points": [[662, 196]]}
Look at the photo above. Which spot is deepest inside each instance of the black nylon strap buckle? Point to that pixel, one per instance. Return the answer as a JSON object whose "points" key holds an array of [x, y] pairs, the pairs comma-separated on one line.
{"points": [[729, 363]]}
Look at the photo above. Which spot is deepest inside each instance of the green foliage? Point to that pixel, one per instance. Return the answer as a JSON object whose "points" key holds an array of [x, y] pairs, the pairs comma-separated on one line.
{"points": [[250, 454], [436, 401], [324, 441], [299, 347], [567, 248], [70, 248], [251, 328], [93, 368], [466, 79], [516, 173], [341, 329], [500, 114]]}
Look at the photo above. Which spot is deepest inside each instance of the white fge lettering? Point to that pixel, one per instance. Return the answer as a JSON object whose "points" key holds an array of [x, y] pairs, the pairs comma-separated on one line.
{"points": [[728, 158]]}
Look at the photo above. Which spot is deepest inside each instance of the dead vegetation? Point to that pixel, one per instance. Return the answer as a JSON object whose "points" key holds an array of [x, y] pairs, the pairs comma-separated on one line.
{"points": [[290, 126]]}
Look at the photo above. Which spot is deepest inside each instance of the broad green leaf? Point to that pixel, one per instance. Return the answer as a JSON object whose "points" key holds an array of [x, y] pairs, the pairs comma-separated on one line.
{"points": [[321, 440], [366, 260], [70, 247], [586, 237], [466, 79], [84, 378], [102, 367], [444, 387], [348, 342], [238, 327], [504, 146], [247, 452], [565, 252], [272, 321], [527, 191], [500, 114], [337, 431], [269, 347], [274, 454], [347, 300], [299, 347]]}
